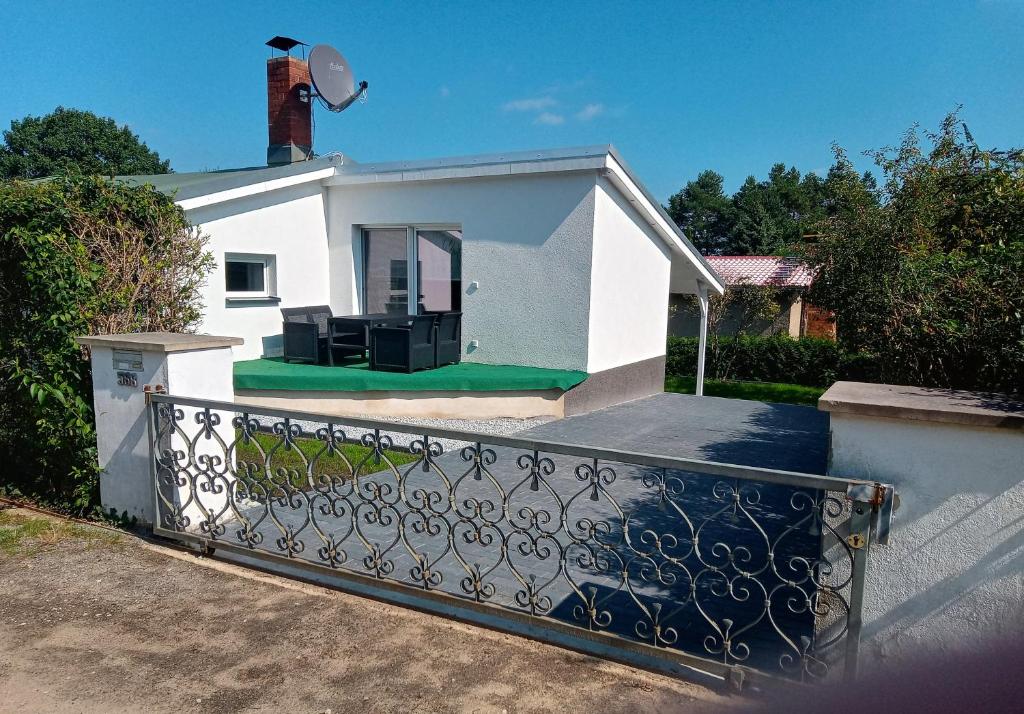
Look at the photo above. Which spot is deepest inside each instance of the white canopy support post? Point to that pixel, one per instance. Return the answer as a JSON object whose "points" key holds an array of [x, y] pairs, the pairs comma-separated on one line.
{"points": [[702, 342]]}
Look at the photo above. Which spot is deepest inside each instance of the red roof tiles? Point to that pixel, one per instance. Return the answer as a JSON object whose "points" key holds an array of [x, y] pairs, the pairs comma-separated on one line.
{"points": [[771, 270]]}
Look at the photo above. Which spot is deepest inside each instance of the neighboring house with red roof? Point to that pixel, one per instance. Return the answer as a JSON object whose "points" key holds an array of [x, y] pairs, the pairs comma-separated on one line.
{"points": [[791, 276]]}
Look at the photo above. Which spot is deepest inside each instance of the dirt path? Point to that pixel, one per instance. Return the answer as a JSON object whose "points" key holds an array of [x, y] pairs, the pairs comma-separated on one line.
{"points": [[90, 623]]}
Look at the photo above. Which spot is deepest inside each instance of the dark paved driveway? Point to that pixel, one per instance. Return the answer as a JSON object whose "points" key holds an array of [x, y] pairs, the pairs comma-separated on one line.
{"points": [[510, 532], [732, 431]]}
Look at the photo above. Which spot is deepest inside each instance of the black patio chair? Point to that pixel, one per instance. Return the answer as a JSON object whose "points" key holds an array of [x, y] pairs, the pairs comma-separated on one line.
{"points": [[305, 333], [448, 340], [403, 349]]}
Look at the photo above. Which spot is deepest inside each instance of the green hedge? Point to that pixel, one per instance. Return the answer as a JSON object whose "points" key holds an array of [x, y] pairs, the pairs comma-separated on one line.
{"points": [[79, 255], [809, 361]]}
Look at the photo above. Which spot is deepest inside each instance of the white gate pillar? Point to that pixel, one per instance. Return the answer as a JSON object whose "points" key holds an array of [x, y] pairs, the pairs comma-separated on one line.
{"points": [[122, 365], [702, 336]]}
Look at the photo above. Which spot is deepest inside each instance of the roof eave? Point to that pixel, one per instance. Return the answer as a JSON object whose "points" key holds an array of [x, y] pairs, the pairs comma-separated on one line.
{"points": [[637, 194], [230, 185], [332, 171], [253, 189], [478, 166]]}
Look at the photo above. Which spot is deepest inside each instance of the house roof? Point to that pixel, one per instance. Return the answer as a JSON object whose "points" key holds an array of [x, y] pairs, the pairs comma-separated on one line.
{"points": [[770, 270], [185, 186]]}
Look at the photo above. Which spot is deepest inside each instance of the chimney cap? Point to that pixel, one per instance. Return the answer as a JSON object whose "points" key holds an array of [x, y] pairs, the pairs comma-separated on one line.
{"points": [[285, 44]]}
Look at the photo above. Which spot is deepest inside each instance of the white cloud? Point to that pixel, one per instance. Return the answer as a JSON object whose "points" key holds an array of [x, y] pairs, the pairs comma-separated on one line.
{"points": [[530, 104], [549, 119], [590, 111]]}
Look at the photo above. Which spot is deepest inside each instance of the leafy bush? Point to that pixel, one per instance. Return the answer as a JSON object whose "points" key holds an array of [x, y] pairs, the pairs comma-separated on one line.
{"points": [[929, 273], [79, 255], [808, 361]]}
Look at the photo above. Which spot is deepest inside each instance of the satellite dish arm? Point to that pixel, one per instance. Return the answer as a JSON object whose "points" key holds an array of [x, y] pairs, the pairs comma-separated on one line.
{"points": [[347, 102]]}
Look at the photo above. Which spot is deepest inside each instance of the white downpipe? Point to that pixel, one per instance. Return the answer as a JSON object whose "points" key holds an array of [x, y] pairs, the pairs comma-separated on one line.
{"points": [[702, 343]]}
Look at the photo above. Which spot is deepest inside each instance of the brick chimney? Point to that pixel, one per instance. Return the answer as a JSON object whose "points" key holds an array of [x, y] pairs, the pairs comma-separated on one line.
{"points": [[288, 114]]}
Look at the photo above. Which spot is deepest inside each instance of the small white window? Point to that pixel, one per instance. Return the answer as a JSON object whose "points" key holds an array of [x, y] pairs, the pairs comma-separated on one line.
{"points": [[249, 276]]}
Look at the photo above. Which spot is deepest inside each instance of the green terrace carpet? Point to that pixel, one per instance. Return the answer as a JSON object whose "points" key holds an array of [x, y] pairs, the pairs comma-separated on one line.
{"points": [[274, 373]]}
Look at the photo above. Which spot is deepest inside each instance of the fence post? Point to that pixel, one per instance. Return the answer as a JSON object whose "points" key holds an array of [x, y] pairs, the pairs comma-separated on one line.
{"points": [[122, 366], [859, 541]]}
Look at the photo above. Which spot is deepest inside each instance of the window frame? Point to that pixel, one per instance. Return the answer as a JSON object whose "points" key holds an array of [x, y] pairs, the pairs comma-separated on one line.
{"points": [[412, 256], [268, 263]]}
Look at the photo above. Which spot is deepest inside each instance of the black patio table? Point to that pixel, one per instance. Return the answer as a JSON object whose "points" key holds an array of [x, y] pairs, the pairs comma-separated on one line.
{"points": [[352, 332], [380, 318]]}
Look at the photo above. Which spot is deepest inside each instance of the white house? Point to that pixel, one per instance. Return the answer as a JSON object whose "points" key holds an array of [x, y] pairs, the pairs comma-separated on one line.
{"points": [[557, 258]]}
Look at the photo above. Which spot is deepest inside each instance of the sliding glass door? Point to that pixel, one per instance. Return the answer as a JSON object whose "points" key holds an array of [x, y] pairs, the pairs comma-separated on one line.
{"points": [[387, 281]]}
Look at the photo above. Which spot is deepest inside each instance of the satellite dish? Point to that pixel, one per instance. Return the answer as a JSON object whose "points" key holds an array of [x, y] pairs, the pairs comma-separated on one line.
{"points": [[332, 78]]}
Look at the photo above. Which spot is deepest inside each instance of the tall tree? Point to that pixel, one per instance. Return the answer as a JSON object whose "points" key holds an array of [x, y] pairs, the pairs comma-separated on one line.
{"points": [[704, 212], [75, 142], [773, 215], [760, 219], [769, 217]]}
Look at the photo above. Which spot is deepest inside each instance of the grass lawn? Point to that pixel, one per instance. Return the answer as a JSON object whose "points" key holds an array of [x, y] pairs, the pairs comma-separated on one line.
{"points": [[23, 533], [327, 464], [757, 391]]}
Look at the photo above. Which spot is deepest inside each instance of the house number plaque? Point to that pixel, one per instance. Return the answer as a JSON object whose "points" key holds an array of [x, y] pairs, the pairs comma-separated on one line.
{"points": [[126, 364]]}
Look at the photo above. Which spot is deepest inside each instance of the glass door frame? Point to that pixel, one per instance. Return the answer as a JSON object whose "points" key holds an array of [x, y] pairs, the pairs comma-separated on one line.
{"points": [[411, 256]]}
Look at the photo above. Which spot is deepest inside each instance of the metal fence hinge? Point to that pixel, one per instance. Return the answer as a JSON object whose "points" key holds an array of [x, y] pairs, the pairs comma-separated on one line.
{"points": [[150, 389], [883, 514], [882, 499]]}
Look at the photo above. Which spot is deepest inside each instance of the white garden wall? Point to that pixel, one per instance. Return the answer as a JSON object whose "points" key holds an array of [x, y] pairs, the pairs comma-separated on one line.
{"points": [[288, 223], [952, 575]]}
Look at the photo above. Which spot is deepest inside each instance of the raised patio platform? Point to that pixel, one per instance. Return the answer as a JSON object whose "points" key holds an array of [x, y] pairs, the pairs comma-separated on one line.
{"points": [[468, 390], [274, 373]]}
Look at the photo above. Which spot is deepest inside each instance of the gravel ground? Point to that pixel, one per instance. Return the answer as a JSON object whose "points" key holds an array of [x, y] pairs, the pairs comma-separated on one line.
{"points": [[495, 427], [87, 625]]}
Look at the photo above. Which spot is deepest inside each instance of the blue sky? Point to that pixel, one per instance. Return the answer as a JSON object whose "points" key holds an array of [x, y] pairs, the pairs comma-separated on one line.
{"points": [[676, 86]]}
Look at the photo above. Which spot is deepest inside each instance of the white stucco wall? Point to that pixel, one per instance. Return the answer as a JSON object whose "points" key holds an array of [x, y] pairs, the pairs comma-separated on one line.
{"points": [[122, 437], [952, 576], [289, 223], [526, 241], [630, 279]]}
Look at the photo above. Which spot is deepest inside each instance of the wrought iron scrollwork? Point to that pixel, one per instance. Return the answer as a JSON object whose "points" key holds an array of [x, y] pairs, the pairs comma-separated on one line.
{"points": [[730, 569]]}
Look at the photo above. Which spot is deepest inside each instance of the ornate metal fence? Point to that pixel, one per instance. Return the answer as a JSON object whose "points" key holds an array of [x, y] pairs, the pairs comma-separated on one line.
{"points": [[659, 561]]}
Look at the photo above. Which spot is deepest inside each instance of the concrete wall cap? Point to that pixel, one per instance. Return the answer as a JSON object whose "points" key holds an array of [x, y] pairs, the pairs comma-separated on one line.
{"points": [[159, 341], [923, 404]]}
